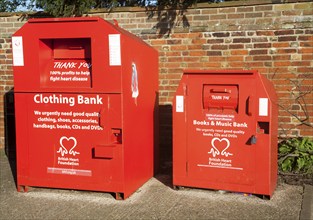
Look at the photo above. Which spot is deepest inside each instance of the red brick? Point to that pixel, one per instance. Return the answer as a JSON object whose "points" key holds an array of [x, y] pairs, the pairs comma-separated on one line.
{"points": [[194, 47], [235, 58], [238, 34], [185, 53], [191, 59], [299, 31], [235, 16], [195, 65], [178, 47], [281, 44], [174, 59], [227, 10], [217, 59], [244, 9], [197, 53], [201, 17], [288, 50], [287, 38], [262, 45], [307, 57], [172, 53], [179, 35], [214, 53], [300, 63], [253, 15], [265, 33], [260, 39], [172, 65], [263, 8], [257, 52], [309, 31], [239, 52], [305, 70], [291, 13], [282, 63], [305, 38], [158, 42], [198, 41], [215, 41], [219, 47], [241, 40], [209, 11], [237, 64], [281, 57], [306, 50], [175, 41], [236, 46], [221, 34], [218, 17], [262, 58], [209, 64], [284, 32], [307, 133]]}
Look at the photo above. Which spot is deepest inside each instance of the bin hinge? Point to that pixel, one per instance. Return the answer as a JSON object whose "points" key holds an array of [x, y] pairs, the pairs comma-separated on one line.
{"points": [[185, 90], [187, 167]]}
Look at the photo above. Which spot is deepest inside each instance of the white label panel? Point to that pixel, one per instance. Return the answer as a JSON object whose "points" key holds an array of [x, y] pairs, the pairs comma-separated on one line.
{"points": [[115, 49], [263, 106], [179, 103], [17, 49]]}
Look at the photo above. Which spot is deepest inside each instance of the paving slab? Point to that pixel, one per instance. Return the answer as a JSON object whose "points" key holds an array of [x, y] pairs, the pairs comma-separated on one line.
{"points": [[154, 200], [307, 203]]}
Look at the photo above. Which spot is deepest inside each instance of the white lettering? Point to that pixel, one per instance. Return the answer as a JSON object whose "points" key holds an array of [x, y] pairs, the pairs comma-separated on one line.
{"points": [[54, 99], [196, 122], [59, 99], [225, 124], [64, 65], [240, 125], [216, 97], [89, 100]]}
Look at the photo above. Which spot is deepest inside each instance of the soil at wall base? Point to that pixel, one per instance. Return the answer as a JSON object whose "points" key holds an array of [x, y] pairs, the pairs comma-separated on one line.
{"points": [[296, 179]]}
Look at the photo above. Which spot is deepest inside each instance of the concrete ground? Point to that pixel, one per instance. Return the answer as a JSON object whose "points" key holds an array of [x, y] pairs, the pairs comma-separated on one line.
{"points": [[155, 200]]}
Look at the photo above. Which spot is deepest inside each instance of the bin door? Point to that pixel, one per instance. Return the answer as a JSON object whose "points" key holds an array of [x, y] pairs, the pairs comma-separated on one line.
{"points": [[70, 140], [220, 126]]}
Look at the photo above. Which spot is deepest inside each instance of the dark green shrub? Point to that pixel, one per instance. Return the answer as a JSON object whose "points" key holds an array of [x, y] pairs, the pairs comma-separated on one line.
{"points": [[295, 155]]}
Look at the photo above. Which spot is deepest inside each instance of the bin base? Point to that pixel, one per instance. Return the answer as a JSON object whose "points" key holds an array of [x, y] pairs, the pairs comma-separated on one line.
{"points": [[116, 195], [261, 196]]}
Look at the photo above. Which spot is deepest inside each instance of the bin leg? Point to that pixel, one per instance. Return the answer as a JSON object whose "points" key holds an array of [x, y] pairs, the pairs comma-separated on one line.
{"points": [[22, 188], [177, 187], [119, 196], [266, 197]]}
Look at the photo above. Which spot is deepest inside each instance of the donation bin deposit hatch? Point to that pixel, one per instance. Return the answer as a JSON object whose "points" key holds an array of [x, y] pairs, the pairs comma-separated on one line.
{"points": [[86, 103], [225, 132]]}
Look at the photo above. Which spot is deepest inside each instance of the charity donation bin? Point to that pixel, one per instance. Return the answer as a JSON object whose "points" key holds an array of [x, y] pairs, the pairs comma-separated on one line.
{"points": [[85, 100], [225, 132]]}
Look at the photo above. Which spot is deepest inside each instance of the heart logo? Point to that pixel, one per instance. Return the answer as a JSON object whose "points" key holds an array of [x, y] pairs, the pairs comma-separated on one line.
{"points": [[219, 147], [67, 146]]}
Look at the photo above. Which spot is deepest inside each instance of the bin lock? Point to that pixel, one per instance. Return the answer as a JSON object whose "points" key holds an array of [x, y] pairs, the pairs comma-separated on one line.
{"points": [[116, 136], [253, 139]]}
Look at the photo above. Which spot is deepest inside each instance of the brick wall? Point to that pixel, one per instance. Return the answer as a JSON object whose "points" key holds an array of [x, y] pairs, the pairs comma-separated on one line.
{"points": [[275, 39]]}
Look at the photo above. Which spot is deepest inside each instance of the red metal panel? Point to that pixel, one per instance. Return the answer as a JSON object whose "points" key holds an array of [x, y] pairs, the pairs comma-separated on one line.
{"points": [[226, 123], [61, 137], [85, 106], [40, 66], [140, 111]]}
